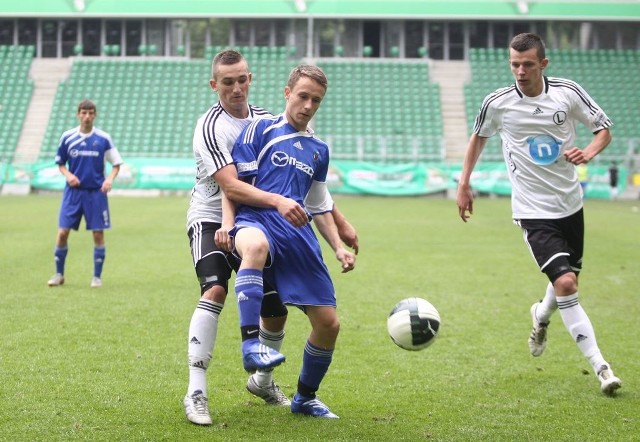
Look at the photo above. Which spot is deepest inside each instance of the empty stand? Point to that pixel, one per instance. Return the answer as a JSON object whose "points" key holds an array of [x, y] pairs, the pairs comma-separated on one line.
{"points": [[374, 111], [381, 111], [15, 92], [150, 106]]}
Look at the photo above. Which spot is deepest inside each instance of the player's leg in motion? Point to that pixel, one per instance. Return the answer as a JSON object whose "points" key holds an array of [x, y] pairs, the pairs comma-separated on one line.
{"points": [[99, 255], [60, 257], [273, 318], [213, 273], [253, 247], [579, 326], [203, 330], [318, 353], [540, 314]]}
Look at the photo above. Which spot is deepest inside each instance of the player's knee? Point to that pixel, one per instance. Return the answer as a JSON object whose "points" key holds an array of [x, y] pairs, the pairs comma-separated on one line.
{"points": [[566, 284], [273, 309], [328, 326], [213, 291], [252, 245], [255, 251]]}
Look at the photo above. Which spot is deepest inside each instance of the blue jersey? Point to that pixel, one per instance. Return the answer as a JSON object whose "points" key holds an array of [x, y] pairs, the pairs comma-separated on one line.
{"points": [[85, 156], [277, 158]]}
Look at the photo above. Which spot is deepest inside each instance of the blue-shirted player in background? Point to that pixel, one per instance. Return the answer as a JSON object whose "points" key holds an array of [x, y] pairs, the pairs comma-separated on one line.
{"points": [[287, 166], [81, 157]]}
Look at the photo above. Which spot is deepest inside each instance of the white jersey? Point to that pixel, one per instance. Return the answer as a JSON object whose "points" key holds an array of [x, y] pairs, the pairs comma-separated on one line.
{"points": [[215, 133], [535, 133]]}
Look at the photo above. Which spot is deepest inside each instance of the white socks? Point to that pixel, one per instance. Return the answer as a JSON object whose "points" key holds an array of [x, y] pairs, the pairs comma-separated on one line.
{"points": [[202, 337], [579, 326], [548, 305]]}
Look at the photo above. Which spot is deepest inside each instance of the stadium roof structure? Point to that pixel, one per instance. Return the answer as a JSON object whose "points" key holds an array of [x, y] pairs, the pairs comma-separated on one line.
{"points": [[574, 10]]}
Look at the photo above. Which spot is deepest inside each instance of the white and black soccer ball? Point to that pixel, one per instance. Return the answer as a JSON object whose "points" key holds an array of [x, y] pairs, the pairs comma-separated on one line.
{"points": [[413, 324]]}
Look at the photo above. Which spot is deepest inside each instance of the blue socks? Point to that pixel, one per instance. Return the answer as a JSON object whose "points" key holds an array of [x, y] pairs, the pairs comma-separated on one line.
{"points": [[315, 363], [249, 295], [60, 255], [99, 254]]}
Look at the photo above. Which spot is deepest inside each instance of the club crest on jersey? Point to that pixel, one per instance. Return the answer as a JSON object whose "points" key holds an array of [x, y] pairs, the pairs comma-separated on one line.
{"points": [[282, 159], [316, 156], [560, 117], [544, 149]]}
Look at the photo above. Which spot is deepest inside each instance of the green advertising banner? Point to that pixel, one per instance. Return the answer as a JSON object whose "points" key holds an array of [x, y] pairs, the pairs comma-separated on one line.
{"points": [[348, 177], [402, 179]]}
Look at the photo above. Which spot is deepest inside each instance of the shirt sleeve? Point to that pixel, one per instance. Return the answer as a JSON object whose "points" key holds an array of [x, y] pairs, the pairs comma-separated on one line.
{"points": [[587, 111], [318, 200], [245, 151], [113, 156]]}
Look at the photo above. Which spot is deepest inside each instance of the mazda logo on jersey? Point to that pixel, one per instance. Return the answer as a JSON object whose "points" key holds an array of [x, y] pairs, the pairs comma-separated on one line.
{"points": [[282, 159], [279, 159], [560, 117], [74, 153], [544, 149]]}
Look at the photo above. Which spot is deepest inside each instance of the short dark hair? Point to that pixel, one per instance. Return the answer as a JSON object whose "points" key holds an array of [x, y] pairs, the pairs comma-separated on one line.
{"points": [[87, 105], [528, 40], [226, 57], [307, 70]]}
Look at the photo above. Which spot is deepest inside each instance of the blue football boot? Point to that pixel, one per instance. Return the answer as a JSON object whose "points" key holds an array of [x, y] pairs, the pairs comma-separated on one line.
{"points": [[257, 356], [311, 407]]}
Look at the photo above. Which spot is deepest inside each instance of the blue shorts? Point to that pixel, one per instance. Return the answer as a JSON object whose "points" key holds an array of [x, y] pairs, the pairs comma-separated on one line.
{"points": [[297, 270], [92, 204]]}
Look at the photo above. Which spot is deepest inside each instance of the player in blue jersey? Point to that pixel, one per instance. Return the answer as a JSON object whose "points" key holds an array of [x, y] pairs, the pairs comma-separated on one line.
{"points": [[209, 218], [287, 167], [81, 157], [536, 118]]}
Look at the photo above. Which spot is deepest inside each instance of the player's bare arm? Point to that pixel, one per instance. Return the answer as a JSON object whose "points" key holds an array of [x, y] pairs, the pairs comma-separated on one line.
{"points": [[240, 192], [600, 140], [464, 197], [72, 180], [347, 232], [327, 228], [107, 185], [221, 237]]}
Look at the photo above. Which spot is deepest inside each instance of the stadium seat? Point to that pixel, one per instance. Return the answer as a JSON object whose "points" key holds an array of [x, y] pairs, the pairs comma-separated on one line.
{"points": [[16, 90]]}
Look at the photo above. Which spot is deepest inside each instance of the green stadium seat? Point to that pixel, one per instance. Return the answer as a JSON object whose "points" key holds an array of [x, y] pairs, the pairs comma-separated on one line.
{"points": [[16, 90]]}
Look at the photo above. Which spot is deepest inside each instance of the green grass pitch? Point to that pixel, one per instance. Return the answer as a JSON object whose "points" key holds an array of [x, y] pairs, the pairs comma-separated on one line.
{"points": [[110, 364]]}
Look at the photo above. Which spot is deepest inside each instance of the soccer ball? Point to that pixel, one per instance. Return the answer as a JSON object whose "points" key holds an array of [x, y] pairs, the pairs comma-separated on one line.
{"points": [[413, 324]]}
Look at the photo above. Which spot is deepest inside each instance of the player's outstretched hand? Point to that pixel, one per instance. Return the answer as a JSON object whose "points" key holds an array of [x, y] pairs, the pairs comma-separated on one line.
{"points": [[346, 258], [292, 212]]}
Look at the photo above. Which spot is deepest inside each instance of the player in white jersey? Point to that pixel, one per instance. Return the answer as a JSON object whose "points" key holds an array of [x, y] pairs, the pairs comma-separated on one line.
{"points": [[536, 119], [287, 166], [208, 223], [81, 158]]}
